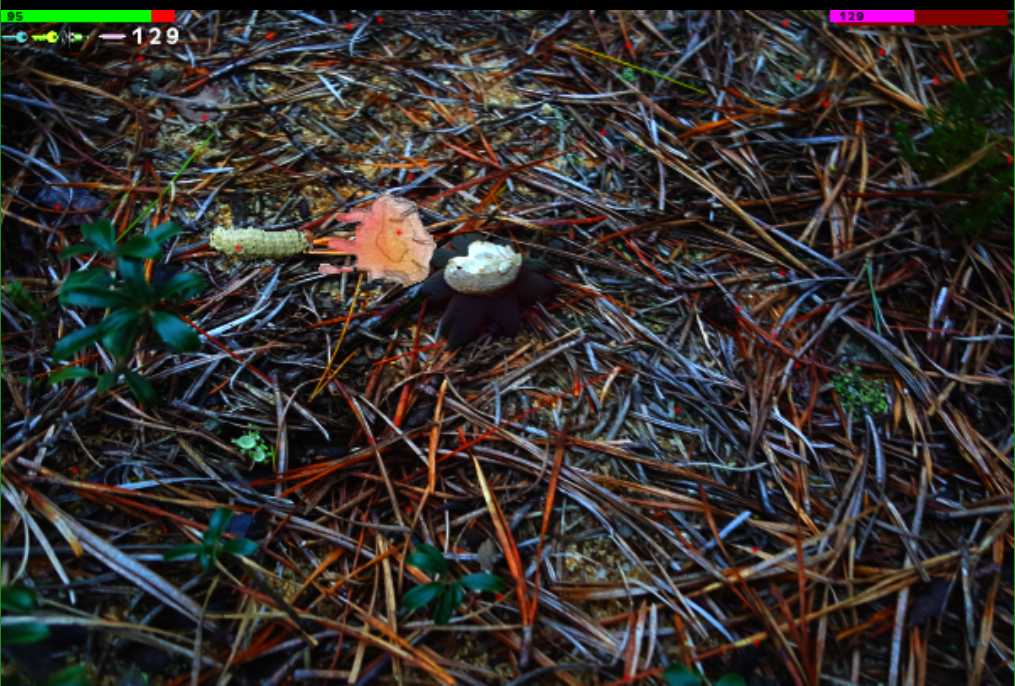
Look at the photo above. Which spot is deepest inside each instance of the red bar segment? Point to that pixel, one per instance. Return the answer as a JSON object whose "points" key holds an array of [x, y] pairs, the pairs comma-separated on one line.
{"points": [[961, 17], [168, 16]]}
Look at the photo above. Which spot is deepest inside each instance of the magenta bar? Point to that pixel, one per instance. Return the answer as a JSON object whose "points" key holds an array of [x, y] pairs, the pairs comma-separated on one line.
{"points": [[873, 16]]}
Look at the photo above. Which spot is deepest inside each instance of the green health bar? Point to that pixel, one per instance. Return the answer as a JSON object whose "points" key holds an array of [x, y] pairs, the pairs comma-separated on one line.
{"points": [[86, 16]]}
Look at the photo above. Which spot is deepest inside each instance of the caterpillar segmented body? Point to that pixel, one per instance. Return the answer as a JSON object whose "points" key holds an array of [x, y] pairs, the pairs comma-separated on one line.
{"points": [[255, 243]]}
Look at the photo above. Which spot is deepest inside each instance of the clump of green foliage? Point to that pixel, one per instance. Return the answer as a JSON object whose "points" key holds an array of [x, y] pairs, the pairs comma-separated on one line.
{"points": [[957, 132], [211, 547], [857, 392], [447, 593], [133, 305], [24, 301], [20, 600], [254, 446], [680, 675]]}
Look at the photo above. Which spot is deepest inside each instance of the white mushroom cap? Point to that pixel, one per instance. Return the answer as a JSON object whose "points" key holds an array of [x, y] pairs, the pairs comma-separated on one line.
{"points": [[486, 269]]}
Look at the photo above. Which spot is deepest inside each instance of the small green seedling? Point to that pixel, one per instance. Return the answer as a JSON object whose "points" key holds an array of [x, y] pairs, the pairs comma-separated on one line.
{"points": [[680, 675], [20, 600], [212, 546], [254, 446], [448, 594]]}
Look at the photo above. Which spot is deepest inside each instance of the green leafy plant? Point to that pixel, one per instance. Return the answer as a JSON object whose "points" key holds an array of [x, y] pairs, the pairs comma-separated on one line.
{"points": [[23, 300], [20, 600], [856, 391], [133, 305], [211, 547], [70, 676], [254, 446], [448, 594], [957, 132], [680, 675]]}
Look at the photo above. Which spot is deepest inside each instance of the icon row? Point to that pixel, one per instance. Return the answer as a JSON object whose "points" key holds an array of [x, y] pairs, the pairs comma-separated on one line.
{"points": [[57, 37]]}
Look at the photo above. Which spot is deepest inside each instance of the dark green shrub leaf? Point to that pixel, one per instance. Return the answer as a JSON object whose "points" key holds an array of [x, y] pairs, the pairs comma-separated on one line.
{"points": [[445, 607], [428, 559], [23, 633], [72, 373], [71, 676], [679, 675], [457, 594], [106, 382], [141, 389], [731, 680], [101, 234], [207, 558], [181, 286], [177, 334], [183, 552], [163, 232], [17, 598], [74, 341], [141, 247], [135, 280], [78, 249], [95, 277], [421, 595], [483, 582], [241, 547], [217, 526], [90, 295], [120, 331]]}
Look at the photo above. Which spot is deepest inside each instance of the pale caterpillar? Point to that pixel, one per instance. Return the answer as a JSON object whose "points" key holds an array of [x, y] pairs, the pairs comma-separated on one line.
{"points": [[255, 243]]}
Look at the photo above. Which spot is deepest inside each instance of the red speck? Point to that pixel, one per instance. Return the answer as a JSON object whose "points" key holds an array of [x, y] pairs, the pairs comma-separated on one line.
{"points": [[796, 366], [603, 133], [380, 20], [825, 104], [74, 471], [757, 643], [1010, 160], [408, 509], [676, 410], [629, 45], [739, 309], [398, 233], [412, 177], [500, 596], [936, 81], [799, 77], [372, 441], [270, 36], [140, 58], [350, 27], [239, 248], [785, 23], [754, 550], [782, 272], [881, 51], [204, 117], [58, 207]]}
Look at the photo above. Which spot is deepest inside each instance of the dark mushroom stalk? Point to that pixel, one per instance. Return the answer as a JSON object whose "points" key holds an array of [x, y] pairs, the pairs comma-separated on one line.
{"points": [[483, 283]]}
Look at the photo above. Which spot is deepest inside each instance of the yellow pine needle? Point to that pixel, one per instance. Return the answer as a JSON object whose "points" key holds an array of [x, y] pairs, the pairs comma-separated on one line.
{"points": [[634, 66], [324, 377], [338, 369]]}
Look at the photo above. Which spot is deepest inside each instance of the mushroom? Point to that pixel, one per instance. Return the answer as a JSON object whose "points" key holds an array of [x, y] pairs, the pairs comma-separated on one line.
{"points": [[483, 282]]}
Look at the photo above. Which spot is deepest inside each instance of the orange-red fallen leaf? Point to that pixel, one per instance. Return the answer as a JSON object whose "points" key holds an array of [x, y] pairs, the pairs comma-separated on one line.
{"points": [[391, 242]]}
